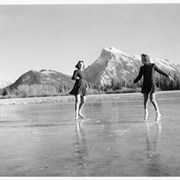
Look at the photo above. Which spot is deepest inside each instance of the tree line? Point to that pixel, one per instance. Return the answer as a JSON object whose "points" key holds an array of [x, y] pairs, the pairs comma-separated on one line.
{"points": [[116, 86], [161, 82]]}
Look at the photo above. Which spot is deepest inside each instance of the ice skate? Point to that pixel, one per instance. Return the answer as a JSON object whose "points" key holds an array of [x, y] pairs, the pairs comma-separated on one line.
{"points": [[158, 117], [81, 115]]}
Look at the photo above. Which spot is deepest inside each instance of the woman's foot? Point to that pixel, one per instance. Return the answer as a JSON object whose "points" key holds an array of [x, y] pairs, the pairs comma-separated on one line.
{"points": [[145, 114], [158, 117], [81, 116]]}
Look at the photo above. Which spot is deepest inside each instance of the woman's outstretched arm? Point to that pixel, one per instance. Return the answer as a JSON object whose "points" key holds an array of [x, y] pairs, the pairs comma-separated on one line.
{"points": [[162, 72]]}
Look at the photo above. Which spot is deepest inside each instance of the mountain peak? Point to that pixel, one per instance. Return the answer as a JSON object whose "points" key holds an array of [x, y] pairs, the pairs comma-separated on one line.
{"points": [[47, 72], [114, 64], [115, 51]]}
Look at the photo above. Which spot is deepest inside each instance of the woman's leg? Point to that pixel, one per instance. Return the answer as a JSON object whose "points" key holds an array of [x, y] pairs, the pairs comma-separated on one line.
{"points": [[146, 97], [153, 101], [77, 104], [83, 99]]}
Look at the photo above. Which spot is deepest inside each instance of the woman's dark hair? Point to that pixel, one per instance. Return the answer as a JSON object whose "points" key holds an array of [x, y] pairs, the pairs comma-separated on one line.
{"points": [[77, 65]]}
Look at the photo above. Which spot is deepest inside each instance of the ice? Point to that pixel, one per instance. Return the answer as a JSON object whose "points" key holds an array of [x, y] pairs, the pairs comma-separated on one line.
{"points": [[112, 140]]}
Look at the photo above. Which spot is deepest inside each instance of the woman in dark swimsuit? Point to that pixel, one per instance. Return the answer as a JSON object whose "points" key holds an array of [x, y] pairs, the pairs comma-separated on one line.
{"points": [[149, 87], [80, 89]]}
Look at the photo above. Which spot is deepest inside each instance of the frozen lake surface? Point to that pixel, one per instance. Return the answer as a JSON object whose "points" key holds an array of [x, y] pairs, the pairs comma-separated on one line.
{"points": [[113, 140]]}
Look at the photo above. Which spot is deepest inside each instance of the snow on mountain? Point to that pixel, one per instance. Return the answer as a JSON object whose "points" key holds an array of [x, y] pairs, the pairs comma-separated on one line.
{"points": [[113, 64], [167, 65]]}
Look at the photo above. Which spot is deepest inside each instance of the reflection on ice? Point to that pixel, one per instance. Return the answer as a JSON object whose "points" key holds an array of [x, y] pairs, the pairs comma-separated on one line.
{"points": [[81, 153], [153, 132], [152, 137], [113, 140]]}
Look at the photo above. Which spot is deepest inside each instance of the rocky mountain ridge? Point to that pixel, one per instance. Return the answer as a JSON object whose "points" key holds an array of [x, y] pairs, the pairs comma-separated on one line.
{"points": [[114, 64], [44, 76], [111, 65]]}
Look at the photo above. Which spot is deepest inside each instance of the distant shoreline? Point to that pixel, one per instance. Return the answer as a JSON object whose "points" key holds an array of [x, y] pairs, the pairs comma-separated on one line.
{"points": [[90, 98]]}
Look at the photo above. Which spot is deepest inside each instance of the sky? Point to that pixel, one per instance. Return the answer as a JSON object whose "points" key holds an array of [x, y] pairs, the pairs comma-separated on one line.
{"points": [[56, 36]]}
